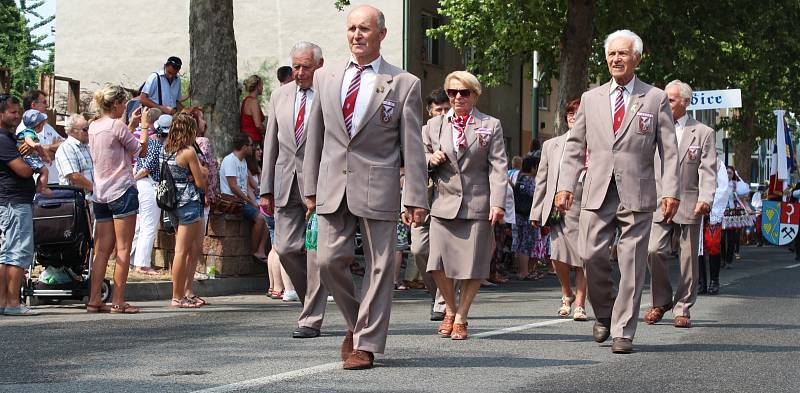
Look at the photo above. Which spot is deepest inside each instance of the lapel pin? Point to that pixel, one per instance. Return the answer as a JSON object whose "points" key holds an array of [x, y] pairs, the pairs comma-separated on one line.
{"points": [[379, 89]]}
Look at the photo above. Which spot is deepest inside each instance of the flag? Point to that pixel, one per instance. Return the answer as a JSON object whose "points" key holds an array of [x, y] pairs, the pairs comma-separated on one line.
{"points": [[783, 162]]}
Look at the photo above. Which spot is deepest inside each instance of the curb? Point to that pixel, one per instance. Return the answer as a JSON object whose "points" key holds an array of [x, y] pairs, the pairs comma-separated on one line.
{"points": [[162, 290]]}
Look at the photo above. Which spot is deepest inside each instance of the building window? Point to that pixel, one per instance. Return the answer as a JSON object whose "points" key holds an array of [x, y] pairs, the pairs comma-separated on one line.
{"points": [[544, 101], [430, 46]]}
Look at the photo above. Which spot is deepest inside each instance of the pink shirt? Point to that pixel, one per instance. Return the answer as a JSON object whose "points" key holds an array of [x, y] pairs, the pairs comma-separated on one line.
{"points": [[112, 146]]}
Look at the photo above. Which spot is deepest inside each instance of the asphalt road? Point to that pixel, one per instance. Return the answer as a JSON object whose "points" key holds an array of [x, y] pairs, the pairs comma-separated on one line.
{"points": [[745, 339]]}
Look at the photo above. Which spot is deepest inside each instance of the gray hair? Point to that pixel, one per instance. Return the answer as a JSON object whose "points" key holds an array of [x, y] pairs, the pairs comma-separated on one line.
{"points": [[71, 121], [381, 17], [638, 45], [305, 45], [686, 90]]}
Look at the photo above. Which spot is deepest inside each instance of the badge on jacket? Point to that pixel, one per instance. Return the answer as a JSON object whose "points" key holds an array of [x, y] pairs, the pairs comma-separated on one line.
{"points": [[387, 110], [645, 122], [694, 152], [484, 135]]}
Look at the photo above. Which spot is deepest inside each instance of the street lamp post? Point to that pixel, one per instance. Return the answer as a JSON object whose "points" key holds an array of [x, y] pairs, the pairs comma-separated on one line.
{"points": [[535, 98]]}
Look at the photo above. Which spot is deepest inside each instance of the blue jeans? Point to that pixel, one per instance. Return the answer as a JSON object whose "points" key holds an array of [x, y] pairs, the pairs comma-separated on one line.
{"points": [[16, 223], [124, 206]]}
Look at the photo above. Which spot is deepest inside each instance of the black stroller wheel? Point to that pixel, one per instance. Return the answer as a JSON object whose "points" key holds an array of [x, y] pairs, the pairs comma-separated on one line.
{"points": [[105, 291]]}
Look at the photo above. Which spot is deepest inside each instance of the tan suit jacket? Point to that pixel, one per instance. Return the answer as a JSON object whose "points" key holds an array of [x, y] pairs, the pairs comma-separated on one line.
{"points": [[467, 184], [626, 157], [547, 178], [366, 168], [698, 171], [283, 158]]}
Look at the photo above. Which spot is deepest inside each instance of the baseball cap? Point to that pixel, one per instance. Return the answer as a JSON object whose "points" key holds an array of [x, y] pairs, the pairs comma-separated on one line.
{"points": [[31, 118], [175, 61], [163, 124]]}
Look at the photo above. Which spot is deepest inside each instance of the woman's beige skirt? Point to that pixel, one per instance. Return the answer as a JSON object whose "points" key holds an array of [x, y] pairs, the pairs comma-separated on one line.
{"points": [[462, 248], [564, 235]]}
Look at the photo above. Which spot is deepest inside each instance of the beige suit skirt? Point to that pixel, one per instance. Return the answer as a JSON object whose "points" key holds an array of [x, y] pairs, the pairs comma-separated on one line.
{"points": [[564, 243], [462, 248]]}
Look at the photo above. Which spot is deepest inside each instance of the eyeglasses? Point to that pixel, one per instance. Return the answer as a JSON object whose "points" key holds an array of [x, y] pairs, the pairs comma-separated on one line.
{"points": [[453, 93], [85, 129]]}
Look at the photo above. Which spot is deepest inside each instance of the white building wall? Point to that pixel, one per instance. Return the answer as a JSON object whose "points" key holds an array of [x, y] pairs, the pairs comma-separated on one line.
{"points": [[121, 42]]}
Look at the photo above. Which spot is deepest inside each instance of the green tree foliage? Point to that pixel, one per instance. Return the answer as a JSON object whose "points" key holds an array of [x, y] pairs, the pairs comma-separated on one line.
{"points": [[18, 44]]}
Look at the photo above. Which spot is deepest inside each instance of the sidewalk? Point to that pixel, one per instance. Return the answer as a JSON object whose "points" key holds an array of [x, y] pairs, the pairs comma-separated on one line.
{"points": [[162, 290]]}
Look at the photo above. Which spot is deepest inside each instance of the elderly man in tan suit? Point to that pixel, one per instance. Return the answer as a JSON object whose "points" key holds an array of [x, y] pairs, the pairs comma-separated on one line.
{"points": [[282, 184], [621, 124], [366, 119], [697, 155]]}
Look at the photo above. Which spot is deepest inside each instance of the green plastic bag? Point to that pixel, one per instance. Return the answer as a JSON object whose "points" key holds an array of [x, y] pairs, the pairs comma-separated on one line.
{"points": [[311, 233]]}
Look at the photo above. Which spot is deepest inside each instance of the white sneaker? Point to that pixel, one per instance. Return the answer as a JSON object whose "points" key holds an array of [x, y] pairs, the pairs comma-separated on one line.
{"points": [[330, 298], [21, 311], [290, 296]]}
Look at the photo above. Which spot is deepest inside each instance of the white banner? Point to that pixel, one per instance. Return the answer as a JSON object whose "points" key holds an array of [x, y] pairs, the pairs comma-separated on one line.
{"points": [[716, 99]]}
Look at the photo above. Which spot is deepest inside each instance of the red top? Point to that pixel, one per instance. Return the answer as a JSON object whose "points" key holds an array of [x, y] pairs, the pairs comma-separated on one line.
{"points": [[248, 125]]}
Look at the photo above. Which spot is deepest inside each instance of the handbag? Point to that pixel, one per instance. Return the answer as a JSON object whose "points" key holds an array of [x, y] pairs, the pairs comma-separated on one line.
{"points": [[227, 204]]}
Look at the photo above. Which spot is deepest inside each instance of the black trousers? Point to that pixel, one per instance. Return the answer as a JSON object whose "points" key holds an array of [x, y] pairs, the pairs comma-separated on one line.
{"points": [[713, 265], [730, 244]]}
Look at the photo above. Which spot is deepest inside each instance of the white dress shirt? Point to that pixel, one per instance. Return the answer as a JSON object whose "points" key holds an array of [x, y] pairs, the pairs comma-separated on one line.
{"points": [[680, 124], [365, 91], [309, 99], [626, 97]]}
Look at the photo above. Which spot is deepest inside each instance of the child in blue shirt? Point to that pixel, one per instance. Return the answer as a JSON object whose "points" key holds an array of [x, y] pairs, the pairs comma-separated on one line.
{"points": [[34, 123]]}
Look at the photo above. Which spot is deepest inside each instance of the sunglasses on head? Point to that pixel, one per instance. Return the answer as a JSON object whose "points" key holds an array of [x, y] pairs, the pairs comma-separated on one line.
{"points": [[453, 93]]}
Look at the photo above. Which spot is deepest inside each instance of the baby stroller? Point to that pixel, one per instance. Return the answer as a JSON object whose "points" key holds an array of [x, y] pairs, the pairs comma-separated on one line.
{"points": [[62, 235]]}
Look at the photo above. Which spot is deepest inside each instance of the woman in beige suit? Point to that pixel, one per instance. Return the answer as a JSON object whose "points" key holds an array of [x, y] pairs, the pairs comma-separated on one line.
{"points": [[465, 150], [563, 226]]}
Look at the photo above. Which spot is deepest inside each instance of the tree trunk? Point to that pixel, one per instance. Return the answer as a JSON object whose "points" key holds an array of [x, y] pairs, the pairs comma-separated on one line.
{"points": [[214, 84], [576, 46]]}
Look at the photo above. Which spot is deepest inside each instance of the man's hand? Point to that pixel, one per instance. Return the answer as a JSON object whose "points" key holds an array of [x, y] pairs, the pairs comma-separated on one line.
{"points": [[496, 215], [535, 223], [24, 149], [311, 205], [563, 201], [167, 110], [701, 209], [267, 203], [418, 215], [437, 158], [669, 206]]}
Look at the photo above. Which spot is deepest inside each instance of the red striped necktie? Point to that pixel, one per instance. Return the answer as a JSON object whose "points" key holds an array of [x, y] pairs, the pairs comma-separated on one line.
{"points": [[301, 117], [349, 104], [619, 109]]}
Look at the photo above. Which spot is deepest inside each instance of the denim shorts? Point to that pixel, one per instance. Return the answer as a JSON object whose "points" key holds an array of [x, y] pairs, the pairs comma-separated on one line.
{"points": [[189, 213], [124, 206], [270, 220], [16, 224], [250, 212]]}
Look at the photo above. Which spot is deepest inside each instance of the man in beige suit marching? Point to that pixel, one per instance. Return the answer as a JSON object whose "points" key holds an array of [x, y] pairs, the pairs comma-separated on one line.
{"points": [[282, 184], [621, 124], [366, 119], [697, 156]]}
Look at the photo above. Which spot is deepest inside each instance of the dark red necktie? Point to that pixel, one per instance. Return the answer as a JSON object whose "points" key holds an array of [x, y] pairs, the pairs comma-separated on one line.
{"points": [[349, 104], [619, 109], [301, 117]]}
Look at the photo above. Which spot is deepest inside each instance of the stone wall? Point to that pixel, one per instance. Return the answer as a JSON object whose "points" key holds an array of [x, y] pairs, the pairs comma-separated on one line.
{"points": [[226, 245]]}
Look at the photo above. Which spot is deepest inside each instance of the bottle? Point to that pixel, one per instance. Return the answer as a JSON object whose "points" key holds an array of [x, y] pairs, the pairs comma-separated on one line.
{"points": [[211, 269]]}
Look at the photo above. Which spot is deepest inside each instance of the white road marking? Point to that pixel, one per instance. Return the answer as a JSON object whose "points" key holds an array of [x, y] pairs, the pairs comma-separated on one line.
{"points": [[792, 266], [258, 382], [513, 329]]}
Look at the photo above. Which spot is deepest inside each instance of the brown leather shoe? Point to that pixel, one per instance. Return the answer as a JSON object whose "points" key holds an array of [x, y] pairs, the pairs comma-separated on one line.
{"points": [[682, 322], [446, 326], [601, 329], [622, 345], [347, 345], [655, 314], [359, 360]]}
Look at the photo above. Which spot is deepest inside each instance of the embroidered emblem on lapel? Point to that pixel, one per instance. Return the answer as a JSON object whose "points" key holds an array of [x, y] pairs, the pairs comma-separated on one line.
{"points": [[693, 153], [484, 135], [645, 122], [387, 110]]}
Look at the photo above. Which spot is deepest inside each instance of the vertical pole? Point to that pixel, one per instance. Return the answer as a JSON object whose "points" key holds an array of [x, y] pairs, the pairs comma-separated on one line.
{"points": [[406, 28], [535, 98]]}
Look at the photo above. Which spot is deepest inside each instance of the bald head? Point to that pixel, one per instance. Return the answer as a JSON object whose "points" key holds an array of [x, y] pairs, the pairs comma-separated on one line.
{"points": [[75, 125], [365, 31]]}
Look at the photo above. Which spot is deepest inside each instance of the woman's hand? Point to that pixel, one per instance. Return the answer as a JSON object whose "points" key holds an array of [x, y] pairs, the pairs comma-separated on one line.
{"points": [[136, 117], [496, 215], [144, 119], [437, 158]]}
